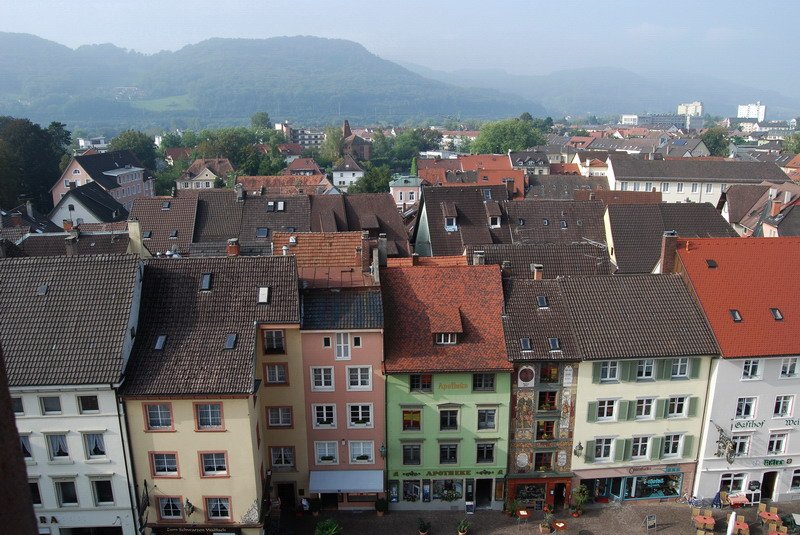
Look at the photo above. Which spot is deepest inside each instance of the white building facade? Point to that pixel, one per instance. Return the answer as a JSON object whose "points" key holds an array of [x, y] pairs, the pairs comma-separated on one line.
{"points": [[752, 111], [692, 109]]}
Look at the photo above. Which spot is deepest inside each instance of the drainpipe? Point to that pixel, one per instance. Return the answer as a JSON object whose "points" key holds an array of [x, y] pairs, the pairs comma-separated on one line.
{"points": [[130, 473]]}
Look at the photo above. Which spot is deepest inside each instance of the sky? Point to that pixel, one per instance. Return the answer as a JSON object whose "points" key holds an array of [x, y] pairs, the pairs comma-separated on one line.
{"points": [[744, 41]]}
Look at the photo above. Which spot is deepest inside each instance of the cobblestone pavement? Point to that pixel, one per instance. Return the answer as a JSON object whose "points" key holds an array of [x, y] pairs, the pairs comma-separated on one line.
{"points": [[609, 519]]}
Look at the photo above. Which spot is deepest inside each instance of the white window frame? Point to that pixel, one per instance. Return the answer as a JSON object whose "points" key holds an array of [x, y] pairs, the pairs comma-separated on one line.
{"points": [[741, 444], [680, 187], [272, 373], [331, 448], [46, 412], [784, 406], [220, 500], [733, 481], [494, 221], [446, 339], [494, 419], [603, 444], [645, 369], [751, 370], [88, 411], [284, 416], [648, 186], [645, 403], [342, 346], [165, 456], [665, 187], [324, 407], [675, 441], [366, 387], [27, 440], [680, 368], [789, 367], [149, 423], [794, 482], [640, 447], [776, 444], [677, 402], [709, 188], [450, 224], [51, 454], [278, 454], [326, 370], [609, 371], [360, 407], [199, 408], [357, 448], [602, 408], [743, 402], [59, 495], [87, 448], [695, 187]]}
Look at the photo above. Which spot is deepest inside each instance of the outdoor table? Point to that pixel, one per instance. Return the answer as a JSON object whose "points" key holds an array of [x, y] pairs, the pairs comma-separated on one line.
{"points": [[742, 526], [738, 500], [766, 516], [560, 525], [707, 521]]}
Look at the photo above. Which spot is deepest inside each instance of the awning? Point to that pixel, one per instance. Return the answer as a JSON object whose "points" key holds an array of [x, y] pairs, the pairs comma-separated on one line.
{"points": [[346, 481]]}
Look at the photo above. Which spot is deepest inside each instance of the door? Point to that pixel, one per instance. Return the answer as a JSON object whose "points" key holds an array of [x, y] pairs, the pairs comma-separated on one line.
{"points": [[768, 485], [483, 492], [287, 495], [559, 496], [330, 500]]}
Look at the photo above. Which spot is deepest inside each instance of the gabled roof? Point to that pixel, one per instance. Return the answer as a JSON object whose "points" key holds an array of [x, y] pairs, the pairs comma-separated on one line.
{"points": [[557, 259], [303, 164], [529, 158], [563, 187], [761, 210], [565, 169], [8, 249], [221, 167], [285, 184], [163, 216], [697, 169], [319, 249], [566, 221], [64, 320], [618, 197], [472, 162], [414, 299], [637, 230], [31, 219], [484, 177], [177, 153], [97, 201], [337, 310], [290, 149], [407, 182], [752, 276], [88, 243], [741, 199], [97, 164], [347, 164], [196, 323]]}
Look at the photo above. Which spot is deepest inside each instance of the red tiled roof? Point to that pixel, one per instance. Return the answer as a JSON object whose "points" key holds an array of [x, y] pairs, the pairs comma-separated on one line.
{"points": [[312, 249], [285, 184], [290, 149], [438, 163], [794, 163], [302, 164], [429, 261], [419, 300], [484, 161], [177, 153], [564, 169], [752, 276]]}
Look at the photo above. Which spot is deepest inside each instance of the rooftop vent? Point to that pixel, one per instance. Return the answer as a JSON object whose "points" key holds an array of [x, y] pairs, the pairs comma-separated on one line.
{"points": [[712, 264], [42, 290]]}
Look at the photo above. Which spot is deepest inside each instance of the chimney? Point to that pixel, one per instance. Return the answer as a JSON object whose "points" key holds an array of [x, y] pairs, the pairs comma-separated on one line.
{"points": [[29, 208], [787, 197], [238, 189], [775, 208], [66, 224], [669, 245], [478, 258], [233, 248], [414, 259], [285, 250], [505, 268], [538, 271], [16, 219], [71, 243], [592, 196], [382, 253], [135, 245]]}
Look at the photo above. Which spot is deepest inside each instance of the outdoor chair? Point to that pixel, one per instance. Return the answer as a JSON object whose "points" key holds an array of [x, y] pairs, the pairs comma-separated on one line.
{"points": [[773, 510], [762, 507]]}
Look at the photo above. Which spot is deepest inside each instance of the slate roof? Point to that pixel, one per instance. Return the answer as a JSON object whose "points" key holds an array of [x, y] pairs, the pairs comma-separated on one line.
{"points": [[161, 216], [97, 201], [557, 259], [635, 316], [637, 230], [752, 276], [341, 310], [97, 164], [697, 169], [415, 298], [583, 220], [76, 332], [32, 220], [563, 187], [89, 243], [529, 158], [196, 323]]}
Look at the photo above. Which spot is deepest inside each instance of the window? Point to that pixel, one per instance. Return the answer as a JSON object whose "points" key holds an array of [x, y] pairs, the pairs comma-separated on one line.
{"points": [[410, 195], [360, 415], [644, 369], [214, 463], [273, 342], [421, 382], [648, 186], [16, 402], [326, 452], [262, 232], [448, 420], [605, 409], [450, 224], [483, 382], [494, 222], [412, 454], [623, 186], [487, 194], [147, 234], [361, 451], [732, 482], [50, 404], [777, 443], [676, 407], [745, 408], [230, 341], [322, 378], [400, 196], [359, 377], [356, 341], [485, 453], [680, 368], [164, 464], [95, 445], [635, 186], [218, 508], [324, 416], [448, 453], [644, 408], [555, 344], [541, 301], [545, 429], [57, 446], [672, 445], [545, 222], [665, 187], [609, 371], [279, 417], [209, 416], [446, 338], [751, 369], [563, 223], [88, 404], [326, 341], [547, 401], [159, 416], [103, 492], [276, 374], [205, 282], [412, 420], [67, 493], [709, 188], [160, 342], [639, 447], [602, 449], [525, 344], [783, 406], [795, 483], [342, 346], [741, 444], [282, 456], [36, 496], [776, 314], [680, 187], [173, 234], [789, 368], [25, 446], [487, 419]]}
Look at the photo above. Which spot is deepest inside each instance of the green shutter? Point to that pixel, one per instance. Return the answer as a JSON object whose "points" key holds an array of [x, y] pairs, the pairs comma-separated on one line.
{"points": [[661, 408], [693, 402], [664, 368], [595, 372], [656, 443], [625, 370], [688, 443], [591, 415], [628, 449], [619, 449], [694, 367], [588, 454], [622, 410]]}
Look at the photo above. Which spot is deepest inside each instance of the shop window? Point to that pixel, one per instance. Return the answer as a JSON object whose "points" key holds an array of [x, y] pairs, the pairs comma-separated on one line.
{"points": [[543, 461], [547, 401], [795, 483], [531, 493], [733, 482], [447, 489], [548, 373], [412, 490], [545, 429], [655, 486]]}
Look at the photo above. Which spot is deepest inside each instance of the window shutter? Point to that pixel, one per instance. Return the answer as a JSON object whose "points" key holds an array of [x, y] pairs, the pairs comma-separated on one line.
{"points": [[664, 368], [628, 449], [591, 416], [625, 370], [656, 445], [694, 367], [619, 449], [624, 410], [693, 402], [595, 372], [661, 408], [588, 453], [688, 443]]}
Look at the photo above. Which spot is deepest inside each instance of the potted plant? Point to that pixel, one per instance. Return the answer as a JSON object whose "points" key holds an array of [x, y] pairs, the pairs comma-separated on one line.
{"points": [[327, 527], [362, 458], [580, 496], [463, 526], [546, 524], [314, 505], [381, 506], [423, 526]]}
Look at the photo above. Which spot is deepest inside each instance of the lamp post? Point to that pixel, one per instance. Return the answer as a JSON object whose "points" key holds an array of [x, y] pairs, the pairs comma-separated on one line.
{"points": [[578, 451]]}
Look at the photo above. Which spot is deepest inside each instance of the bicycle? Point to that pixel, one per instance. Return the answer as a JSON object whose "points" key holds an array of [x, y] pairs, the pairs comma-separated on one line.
{"points": [[693, 501]]}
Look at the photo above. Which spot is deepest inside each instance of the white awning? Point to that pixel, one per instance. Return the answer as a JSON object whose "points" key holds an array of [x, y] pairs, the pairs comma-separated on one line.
{"points": [[346, 481]]}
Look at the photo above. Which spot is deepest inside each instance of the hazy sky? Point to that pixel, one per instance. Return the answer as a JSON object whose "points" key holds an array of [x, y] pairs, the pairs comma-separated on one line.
{"points": [[749, 42]]}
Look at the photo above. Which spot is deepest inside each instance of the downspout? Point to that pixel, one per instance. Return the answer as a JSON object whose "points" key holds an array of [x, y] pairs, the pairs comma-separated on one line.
{"points": [[129, 470]]}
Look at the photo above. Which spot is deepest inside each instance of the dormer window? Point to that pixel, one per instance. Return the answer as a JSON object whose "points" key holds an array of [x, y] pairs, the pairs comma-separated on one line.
{"points": [[446, 339], [494, 222], [487, 194], [555, 344], [776, 314], [563, 223], [450, 224], [735, 315], [545, 222], [541, 301]]}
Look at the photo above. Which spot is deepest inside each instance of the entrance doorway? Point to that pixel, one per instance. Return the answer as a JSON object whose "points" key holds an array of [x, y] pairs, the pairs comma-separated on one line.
{"points": [[287, 495], [483, 492], [330, 500], [559, 496], [768, 485]]}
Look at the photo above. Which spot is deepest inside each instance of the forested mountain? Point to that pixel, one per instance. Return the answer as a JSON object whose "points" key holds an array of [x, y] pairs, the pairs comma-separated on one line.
{"points": [[307, 80]]}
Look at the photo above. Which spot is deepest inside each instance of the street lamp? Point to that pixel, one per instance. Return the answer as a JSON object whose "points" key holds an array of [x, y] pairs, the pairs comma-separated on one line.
{"points": [[578, 451], [382, 450]]}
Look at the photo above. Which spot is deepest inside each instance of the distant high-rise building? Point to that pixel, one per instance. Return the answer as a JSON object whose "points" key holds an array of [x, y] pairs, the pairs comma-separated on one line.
{"points": [[692, 109], [752, 111], [628, 119]]}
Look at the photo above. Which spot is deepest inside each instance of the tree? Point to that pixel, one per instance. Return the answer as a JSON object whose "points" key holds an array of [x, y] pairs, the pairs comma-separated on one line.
{"points": [[510, 134], [526, 117], [171, 139], [272, 163], [413, 167], [578, 132], [332, 148], [260, 121], [792, 143], [717, 141], [166, 178], [139, 144], [375, 179]]}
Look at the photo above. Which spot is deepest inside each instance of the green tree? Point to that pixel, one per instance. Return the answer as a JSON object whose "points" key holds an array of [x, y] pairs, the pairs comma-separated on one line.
{"points": [[792, 143], [578, 132], [376, 179], [166, 178], [332, 148], [171, 139], [60, 135], [414, 167], [272, 163], [138, 143], [260, 121], [526, 117], [717, 141], [235, 143], [510, 134]]}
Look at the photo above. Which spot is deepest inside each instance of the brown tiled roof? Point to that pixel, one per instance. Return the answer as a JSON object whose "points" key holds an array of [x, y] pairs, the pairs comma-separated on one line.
{"points": [[637, 230], [414, 299], [486, 177], [564, 169], [334, 277], [337, 310], [75, 333], [89, 243], [196, 323], [430, 261], [219, 166], [103, 227], [160, 216], [219, 216], [285, 184], [438, 163], [697, 169], [618, 197], [347, 164], [635, 316], [303, 164], [178, 153], [563, 187], [319, 249], [557, 259], [258, 213], [471, 162], [37, 223], [583, 220], [8, 249]]}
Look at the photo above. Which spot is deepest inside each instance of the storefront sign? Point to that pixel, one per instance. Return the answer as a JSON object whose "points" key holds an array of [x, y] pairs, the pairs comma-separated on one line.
{"points": [[450, 473], [748, 424], [776, 462], [669, 469], [792, 422], [453, 386]]}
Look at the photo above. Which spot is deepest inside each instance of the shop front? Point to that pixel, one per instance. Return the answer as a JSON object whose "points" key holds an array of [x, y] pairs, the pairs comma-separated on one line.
{"points": [[653, 482], [347, 489], [196, 530], [444, 489], [535, 493]]}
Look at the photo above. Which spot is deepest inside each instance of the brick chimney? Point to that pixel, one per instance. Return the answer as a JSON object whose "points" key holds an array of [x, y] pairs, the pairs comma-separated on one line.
{"points": [[16, 219], [71, 245], [538, 271], [775, 207], [505, 268], [365, 251], [478, 258], [233, 248], [66, 224], [382, 249], [669, 245]]}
